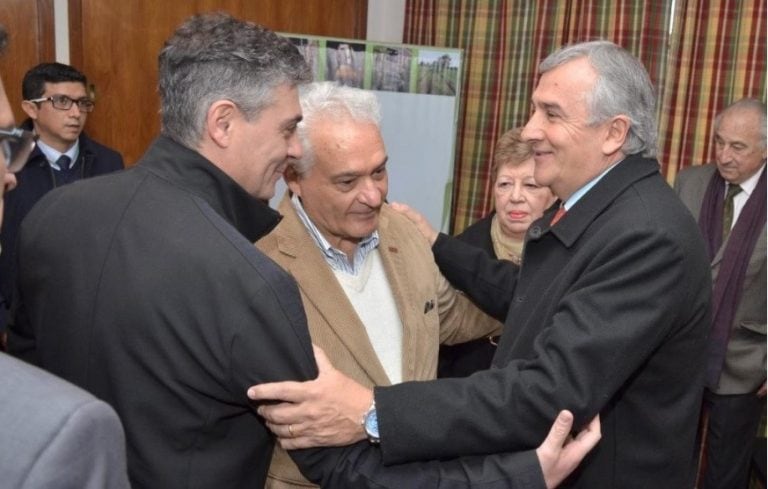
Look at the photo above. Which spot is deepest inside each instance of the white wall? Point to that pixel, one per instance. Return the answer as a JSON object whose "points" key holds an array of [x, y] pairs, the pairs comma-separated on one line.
{"points": [[385, 20], [61, 30]]}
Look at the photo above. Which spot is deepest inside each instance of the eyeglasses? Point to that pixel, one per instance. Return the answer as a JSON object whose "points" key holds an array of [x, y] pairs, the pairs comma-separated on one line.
{"points": [[62, 102], [16, 144]]}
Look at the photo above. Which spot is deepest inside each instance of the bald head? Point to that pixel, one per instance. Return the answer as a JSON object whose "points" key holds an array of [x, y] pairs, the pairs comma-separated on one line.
{"points": [[740, 140]]}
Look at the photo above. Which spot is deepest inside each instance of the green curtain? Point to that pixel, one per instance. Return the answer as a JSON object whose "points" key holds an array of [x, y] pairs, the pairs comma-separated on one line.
{"points": [[503, 42]]}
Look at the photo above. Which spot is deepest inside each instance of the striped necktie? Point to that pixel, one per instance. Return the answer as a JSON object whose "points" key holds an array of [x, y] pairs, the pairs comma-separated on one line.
{"points": [[733, 190]]}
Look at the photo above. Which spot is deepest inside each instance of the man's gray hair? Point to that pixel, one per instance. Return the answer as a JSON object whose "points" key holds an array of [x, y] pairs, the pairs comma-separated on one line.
{"points": [[213, 57], [747, 104], [623, 87], [334, 101]]}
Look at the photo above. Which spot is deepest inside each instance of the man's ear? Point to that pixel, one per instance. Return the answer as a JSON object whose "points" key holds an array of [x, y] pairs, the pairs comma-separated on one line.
{"points": [[616, 135], [219, 122], [30, 108], [291, 178]]}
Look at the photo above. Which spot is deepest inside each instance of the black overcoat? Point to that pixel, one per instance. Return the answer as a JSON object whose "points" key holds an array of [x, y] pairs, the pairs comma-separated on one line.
{"points": [[608, 314]]}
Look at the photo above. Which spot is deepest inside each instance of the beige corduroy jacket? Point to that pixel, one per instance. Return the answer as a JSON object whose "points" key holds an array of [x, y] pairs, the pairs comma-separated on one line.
{"points": [[431, 311]]}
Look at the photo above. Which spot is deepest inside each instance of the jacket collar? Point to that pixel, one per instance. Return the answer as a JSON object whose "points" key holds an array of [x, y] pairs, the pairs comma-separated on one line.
{"points": [[37, 157], [189, 170], [599, 197], [292, 230], [321, 289]]}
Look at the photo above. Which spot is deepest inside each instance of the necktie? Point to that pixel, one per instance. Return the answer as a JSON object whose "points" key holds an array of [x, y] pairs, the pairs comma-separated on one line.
{"points": [[64, 161], [558, 215], [66, 173], [733, 190]]}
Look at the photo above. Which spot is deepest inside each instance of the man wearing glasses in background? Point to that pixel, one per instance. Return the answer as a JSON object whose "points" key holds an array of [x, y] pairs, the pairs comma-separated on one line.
{"points": [[52, 433], [57, 103]]}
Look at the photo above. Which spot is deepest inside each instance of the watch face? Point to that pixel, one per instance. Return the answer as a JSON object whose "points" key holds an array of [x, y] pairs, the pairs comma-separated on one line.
{"points": [[372, 424]]}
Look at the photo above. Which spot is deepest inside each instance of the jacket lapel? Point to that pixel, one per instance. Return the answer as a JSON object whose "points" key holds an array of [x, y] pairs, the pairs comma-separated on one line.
{"points": [[398, 273], [323, 293]]}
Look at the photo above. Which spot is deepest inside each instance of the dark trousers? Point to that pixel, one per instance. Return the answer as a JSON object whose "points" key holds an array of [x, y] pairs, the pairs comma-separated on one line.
{"points": [[730, 436]]}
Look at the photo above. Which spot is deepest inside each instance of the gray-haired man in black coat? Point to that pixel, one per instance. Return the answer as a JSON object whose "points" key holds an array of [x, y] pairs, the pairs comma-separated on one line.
{"points": [[608, 314]]}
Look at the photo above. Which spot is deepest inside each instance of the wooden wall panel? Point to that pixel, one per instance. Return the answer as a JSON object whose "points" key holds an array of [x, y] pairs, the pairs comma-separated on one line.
{"points": [[30, 28], [116, 44]]}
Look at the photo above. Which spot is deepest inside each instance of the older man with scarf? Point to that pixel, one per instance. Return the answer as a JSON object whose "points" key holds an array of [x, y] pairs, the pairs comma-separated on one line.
{"points": [[728, 199]]}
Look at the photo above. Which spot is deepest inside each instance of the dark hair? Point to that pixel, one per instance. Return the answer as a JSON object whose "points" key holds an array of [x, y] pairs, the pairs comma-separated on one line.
{"points": [[33, 85]]}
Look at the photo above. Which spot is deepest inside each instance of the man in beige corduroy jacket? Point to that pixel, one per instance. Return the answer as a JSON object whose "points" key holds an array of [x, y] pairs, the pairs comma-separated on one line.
{"points": [[374, 298]]}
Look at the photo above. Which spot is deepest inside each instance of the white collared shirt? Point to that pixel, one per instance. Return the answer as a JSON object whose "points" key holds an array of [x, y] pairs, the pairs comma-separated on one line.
{"points": [[336, 258], [571, 201], [747, 187], [53, 155]]}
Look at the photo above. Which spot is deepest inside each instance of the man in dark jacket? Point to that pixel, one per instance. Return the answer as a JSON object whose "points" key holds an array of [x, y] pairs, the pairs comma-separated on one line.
{"points": [[608, 313], [53, 433], [57, 103], [728, 200], [171, 312]]}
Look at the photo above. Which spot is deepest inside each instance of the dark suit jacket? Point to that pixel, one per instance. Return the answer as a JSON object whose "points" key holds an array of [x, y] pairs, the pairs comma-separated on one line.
{"points": [[55, 435], [744, 366], [479, 234], [609, 313], [467, 358], [159, 317], [171, 314], [35, 180]]}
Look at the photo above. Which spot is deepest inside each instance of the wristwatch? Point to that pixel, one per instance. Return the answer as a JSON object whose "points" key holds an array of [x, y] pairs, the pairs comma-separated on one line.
{"points": [[371, 424]]}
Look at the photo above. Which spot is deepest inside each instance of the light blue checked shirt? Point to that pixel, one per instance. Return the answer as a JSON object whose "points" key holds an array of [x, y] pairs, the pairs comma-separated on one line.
{"points": [[337, 259]]}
